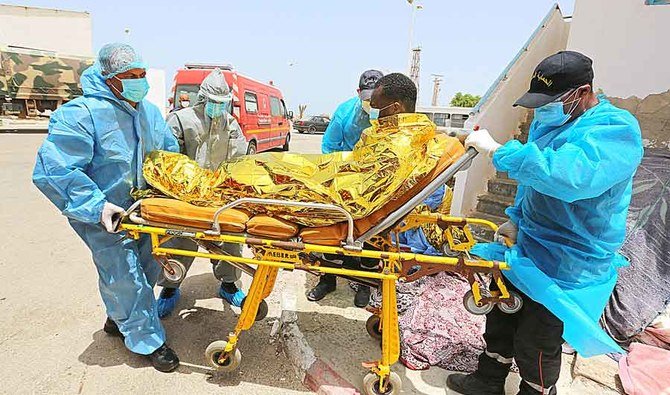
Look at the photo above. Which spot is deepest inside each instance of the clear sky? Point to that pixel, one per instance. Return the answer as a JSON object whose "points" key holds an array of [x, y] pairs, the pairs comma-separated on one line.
{"points": [[314, 50]]}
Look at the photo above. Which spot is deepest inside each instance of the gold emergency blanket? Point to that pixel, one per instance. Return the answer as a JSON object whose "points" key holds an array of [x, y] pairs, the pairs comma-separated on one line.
{"points": [[387, 161]]}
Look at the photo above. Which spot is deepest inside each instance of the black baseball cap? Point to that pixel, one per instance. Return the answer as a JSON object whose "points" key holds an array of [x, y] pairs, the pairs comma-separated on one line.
{"points": [[555, 76], [367, 83]]}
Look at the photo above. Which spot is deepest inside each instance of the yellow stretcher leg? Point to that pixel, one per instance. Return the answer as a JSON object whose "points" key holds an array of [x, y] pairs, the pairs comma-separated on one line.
{"points": [[261, 286], [390, 332]]}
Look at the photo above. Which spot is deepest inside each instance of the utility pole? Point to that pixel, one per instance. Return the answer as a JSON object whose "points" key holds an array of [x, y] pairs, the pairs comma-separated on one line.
{"points": [[415, 68], [437, 80]]}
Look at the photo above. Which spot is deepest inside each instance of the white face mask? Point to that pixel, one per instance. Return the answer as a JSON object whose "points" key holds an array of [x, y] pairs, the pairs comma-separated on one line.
{"points": [[185, 103]]}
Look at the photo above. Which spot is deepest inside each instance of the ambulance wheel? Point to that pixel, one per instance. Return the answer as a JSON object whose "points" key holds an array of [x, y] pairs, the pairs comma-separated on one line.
{"points": [[213, 353], [311, 129], [285, 147], [178, 269], [252, 148], [512, 307], [473, 308], [372, 326], [371, 384], [262, 309]]}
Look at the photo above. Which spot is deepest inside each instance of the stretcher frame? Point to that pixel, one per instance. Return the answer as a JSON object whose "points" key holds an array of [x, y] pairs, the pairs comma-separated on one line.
{"points": [[271, 255]]}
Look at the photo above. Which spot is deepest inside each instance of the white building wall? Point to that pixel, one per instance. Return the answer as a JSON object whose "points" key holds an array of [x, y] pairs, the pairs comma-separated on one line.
{"points": [[629, 42], [496, 113], [157, 94], [65, 32]]}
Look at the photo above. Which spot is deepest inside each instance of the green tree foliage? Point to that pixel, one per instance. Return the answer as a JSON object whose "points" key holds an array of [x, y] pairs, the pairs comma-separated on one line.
{"points": [[465, 100]]}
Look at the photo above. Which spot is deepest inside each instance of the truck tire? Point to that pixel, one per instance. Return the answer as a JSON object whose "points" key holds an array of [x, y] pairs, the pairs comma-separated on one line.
{"points": [[285, 147], [252, 148]]}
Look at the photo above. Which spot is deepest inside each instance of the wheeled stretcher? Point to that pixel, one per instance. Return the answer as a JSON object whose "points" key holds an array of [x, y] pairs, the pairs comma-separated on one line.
{"points": [[279, 244]]}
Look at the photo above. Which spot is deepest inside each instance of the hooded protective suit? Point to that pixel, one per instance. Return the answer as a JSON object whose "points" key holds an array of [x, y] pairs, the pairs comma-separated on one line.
{"points": [[93, 154], [209, 141], [575, 185]]}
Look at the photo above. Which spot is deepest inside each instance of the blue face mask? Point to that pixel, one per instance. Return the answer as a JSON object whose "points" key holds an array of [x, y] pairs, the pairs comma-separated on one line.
{"points": [[374, 112], [215, 110], [552, 114], [134, 89]]}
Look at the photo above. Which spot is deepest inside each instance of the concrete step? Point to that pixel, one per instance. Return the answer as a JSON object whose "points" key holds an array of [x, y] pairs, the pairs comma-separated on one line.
{"points": [[494, 204], [484, 234], [502, 175], [502, 187]]}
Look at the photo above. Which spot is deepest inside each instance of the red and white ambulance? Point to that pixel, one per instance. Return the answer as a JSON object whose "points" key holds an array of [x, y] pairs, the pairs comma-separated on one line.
{"points": [[258, 107]]}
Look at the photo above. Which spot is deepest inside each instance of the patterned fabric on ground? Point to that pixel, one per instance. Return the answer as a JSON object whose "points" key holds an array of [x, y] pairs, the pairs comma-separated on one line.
{"points": [[435, 328]]}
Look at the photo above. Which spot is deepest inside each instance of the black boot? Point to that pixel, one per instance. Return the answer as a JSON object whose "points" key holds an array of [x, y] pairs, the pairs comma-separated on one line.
{"points": [[111, 328], [473, 384], [326, 285], [164, 359], [362, 297]]}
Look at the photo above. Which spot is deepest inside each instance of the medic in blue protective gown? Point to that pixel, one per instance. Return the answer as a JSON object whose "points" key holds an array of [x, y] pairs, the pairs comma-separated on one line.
{"points": [[575, 186], [343, 132], [93, 155], [345, 127], [575, 178]]}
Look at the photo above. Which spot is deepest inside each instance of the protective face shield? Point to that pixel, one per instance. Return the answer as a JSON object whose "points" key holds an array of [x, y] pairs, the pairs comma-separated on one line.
{"points": [[134, 89], [553, 114], [366, 106], [215, 110], [374, 112]]}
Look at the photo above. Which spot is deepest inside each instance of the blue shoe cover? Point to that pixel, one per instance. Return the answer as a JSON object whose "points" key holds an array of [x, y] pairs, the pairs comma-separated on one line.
{"points": [[234, 299], [166, 305]]}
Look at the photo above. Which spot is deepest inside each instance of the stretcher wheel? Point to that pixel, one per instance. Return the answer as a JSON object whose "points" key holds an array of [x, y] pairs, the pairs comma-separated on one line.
{"points": [[262, 309], [473, 308], [512, 307], [371, 384], [179, 271], [372, 326], [448, 252], [213, 353]]}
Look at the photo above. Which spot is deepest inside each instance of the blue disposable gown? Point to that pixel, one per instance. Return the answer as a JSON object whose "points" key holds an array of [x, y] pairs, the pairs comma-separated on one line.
{"points": [[94, 153], [345, 127], [575, 186]]}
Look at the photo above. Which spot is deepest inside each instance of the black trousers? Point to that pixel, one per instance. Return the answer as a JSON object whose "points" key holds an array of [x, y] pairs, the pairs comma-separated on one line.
{"points": [[350, 262], [533, 337]]}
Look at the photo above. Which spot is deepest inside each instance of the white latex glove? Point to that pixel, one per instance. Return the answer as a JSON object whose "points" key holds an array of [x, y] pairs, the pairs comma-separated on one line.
{"points": [[507, 230], [482, 141], [107, 219]]}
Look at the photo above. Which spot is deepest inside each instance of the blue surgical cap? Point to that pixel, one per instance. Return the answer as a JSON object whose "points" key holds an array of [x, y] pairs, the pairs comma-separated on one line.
{"points": [[117, 58]]}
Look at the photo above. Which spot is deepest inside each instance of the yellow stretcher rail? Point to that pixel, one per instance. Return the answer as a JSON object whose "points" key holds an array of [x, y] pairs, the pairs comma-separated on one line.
{"points": [[271, 255]]}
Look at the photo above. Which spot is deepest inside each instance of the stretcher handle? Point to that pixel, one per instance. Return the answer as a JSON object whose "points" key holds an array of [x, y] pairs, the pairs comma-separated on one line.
{"points": [[460, 133], [350, 243]]}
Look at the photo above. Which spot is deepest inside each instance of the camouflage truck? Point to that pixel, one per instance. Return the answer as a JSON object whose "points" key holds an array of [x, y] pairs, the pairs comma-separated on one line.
{"points": [[34, 82]]}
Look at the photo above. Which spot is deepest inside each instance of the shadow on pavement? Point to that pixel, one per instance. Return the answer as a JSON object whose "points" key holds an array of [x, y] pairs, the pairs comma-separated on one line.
{"points": [[191, 328]]}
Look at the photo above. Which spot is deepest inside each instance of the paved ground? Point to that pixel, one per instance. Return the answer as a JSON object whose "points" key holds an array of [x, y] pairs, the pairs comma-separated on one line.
{"points": [[51, 314]]}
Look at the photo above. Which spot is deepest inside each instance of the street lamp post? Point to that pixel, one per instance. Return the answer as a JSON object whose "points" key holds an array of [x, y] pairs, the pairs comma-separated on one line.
{"points": [[415, 7]]}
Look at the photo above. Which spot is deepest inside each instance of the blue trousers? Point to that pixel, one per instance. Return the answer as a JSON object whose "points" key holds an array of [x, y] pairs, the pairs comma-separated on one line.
{"points": [[127, 274]]}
